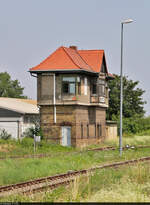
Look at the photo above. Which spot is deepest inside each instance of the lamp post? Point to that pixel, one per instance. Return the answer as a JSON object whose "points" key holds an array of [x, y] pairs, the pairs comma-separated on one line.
{"points": [[121, 84]]}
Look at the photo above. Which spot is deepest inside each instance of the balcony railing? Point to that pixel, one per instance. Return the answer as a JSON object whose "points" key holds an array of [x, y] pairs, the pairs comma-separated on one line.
{"points": [[99, 99]]}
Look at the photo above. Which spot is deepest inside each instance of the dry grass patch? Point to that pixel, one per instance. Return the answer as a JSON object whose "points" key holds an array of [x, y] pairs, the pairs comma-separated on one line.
{"points": [[126, 191], [6, 147]]}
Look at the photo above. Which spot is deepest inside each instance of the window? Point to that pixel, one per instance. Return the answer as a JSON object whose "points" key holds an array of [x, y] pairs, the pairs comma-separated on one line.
{"points": [[79, 85], [26, 119], [99, 130], [68, 85], [79, 88], [85, 86], [101, 89], [94, 89]]}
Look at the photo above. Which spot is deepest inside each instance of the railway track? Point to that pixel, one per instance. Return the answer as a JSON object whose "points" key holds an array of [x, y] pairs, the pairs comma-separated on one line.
{"points": [[49, 183], [49, 155]]}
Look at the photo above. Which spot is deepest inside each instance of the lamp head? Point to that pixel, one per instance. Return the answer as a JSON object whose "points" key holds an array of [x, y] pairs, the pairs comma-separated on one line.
{"points": [[127, 21]]}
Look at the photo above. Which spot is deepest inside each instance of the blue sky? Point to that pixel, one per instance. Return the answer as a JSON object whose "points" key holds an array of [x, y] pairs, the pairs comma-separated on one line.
{"points": [[32, 29]]}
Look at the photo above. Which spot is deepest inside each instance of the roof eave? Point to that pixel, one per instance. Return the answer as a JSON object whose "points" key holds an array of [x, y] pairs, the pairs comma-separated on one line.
{"points": [[64, 71], [18, 111], [12, 109], [110, 77]]}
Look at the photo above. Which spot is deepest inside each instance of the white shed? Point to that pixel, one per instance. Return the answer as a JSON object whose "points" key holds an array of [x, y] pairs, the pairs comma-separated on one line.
{"points": [[17, 114]]}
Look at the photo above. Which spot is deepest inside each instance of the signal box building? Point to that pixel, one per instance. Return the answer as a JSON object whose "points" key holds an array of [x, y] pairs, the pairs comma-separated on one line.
{"points": [[72, 94]]}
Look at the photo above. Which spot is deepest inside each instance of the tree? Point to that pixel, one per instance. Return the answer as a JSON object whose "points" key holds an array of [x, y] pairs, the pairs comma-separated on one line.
{"points": [[10, 88], [132, 99]]}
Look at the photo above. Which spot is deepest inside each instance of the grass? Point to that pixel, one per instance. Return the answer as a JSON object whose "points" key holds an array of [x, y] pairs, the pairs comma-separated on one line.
{"points": [[125, 184], [106, 185], [62, 158], [14, 171], [129, 184], [131, 140], [26, 146]]}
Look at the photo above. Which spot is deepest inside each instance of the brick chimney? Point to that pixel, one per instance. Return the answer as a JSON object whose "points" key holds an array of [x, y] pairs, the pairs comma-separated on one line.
{"points": [[73, 47]]}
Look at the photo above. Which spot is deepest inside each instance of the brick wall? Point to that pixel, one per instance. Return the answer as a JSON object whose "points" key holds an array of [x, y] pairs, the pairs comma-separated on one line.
{"points": [[83, 120]]}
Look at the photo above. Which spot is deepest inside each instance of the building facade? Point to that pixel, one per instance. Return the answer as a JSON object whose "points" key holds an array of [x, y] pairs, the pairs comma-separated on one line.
{"points": [[72, 94], [17, 115]]}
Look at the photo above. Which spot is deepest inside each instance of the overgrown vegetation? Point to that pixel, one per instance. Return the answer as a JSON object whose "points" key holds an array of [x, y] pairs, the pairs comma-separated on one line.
{"points": [[126, 184], [34, 130], [4, 135], [105, 183], [134, 121], [26, 147], [133, 103], [135, 126], [13, 171]]}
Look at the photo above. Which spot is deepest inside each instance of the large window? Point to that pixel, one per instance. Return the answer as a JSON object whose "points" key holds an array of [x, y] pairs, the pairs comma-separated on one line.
{"points": [[101, 87], [94, 86], [94, 89], [69, 85], [79, 85]]}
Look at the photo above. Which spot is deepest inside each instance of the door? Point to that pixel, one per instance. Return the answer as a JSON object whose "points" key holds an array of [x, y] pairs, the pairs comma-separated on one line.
{"points": [[66, 136]]}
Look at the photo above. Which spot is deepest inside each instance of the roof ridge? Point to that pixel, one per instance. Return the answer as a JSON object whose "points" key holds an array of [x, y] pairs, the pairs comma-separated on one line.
{"points": [[91, 50], [65, 48], [70, 56], [83, 59]]}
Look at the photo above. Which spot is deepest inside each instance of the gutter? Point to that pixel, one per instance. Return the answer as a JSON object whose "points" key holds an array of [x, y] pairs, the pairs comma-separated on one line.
{"points": [[33, 75], [12, 109], [54, 97], [63, 71]]}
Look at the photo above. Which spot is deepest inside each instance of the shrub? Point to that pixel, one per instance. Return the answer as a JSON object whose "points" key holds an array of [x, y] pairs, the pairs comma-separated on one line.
{"points": [[34, 130], [4, 135], [134, 125], [29, 132]]}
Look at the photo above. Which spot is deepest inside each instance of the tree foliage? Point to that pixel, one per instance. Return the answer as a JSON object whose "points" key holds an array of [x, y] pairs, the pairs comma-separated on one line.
{"points": [[133, 103], [10, 88]]}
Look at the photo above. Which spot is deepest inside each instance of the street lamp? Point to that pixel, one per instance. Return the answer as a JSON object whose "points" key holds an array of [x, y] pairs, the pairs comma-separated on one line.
{"points": [[121, 86]]}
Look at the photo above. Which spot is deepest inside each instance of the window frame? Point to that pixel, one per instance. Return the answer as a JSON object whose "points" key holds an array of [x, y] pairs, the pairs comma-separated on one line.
{"points": [[94, 85], [68, 83]]}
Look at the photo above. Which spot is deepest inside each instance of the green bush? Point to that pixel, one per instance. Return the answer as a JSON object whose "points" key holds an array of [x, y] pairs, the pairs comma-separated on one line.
{"points": [[31, 131], [135, 125], [4, 135]]}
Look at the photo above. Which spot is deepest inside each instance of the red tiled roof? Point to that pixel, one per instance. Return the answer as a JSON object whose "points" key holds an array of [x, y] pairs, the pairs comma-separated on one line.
{"points": [[94, 58], [68, 58], [77, 59]]}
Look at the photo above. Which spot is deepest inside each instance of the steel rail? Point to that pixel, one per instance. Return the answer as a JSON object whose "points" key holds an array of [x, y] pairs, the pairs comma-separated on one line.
{"points": [[52, 182]]}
